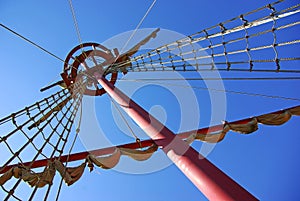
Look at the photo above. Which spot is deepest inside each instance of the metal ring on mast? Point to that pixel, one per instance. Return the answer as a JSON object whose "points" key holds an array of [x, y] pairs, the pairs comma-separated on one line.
{"points": [[99, 58]]}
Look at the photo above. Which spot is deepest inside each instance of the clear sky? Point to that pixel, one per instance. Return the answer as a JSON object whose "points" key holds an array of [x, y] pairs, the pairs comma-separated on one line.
{"points": [[265, 162]]}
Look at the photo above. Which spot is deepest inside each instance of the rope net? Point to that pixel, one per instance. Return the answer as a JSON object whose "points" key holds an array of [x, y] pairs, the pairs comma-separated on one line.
{"points": [[37, 141], [39, 131], [260, 40]]}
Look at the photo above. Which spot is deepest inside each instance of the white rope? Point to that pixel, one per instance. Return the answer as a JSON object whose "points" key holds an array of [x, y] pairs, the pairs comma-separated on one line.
{"points": [[133, 33]]}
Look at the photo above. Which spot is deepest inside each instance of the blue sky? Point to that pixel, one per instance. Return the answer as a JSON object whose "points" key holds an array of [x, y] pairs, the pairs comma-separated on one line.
{"points": [[265, 162]]}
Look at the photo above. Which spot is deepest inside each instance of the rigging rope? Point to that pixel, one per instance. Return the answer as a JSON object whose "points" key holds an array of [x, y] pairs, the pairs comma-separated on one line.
{"points": [[230, 50], [32, 43], [124, 120], [77, 30], [138, 26], [212, 78], [79, 91], [133, 33], [75, 21], [41, 129], [221, 90], [36, 45]]}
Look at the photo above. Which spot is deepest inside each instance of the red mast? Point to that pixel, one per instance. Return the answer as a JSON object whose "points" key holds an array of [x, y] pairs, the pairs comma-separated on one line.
{"points": [[210, 180]]}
